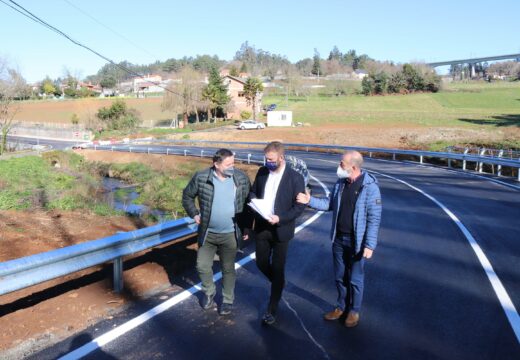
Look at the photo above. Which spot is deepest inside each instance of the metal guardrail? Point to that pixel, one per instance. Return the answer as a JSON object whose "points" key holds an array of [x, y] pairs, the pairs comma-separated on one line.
{"points": [[31, 270], [464, 157]]}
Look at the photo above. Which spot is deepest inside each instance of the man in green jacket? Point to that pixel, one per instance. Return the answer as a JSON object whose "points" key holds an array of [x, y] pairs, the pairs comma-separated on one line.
{"points": [[222, 192]]}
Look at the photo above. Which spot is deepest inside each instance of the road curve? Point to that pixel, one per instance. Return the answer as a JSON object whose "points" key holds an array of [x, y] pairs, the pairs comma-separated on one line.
{"points": [[427, 295]]}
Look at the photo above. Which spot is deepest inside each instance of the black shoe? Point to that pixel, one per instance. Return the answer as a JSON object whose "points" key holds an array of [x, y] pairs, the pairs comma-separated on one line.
{"points": [[226, 309], [268, 319], [207, 301]]}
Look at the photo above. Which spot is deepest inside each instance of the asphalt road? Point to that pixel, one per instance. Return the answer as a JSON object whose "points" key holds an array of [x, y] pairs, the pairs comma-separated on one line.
{"points": [[428, 293]]}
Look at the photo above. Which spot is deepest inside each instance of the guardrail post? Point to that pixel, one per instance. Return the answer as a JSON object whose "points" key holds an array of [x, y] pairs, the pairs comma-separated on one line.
{"points": [[185, 152], [264, 160], [167, 151], [393, 156], [202, 153], [421, 159], [518, 171], [370, 154], [307, 148], [499, 167], [118, 274], [95, 147], [449, 160], [148, 150], [481, 153], [129, 149], [249, 158], [464, 161], [112, 148]]}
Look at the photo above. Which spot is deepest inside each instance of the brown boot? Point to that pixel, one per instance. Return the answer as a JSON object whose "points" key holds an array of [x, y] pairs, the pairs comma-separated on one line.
{"points": [[352, 319], [333, 315]]}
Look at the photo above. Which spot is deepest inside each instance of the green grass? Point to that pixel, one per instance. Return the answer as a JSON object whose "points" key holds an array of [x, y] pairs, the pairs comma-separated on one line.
{"points": [[503, 144], [459, 105], [33, 182], [157, 190], [30, 181]]}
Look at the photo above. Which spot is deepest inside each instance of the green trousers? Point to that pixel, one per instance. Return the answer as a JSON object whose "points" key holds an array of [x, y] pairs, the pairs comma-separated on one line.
{"points": [[226, 247]]}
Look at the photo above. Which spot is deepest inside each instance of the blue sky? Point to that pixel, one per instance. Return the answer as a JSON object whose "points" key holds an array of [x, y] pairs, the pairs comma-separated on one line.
{"points": [[399, 30]]}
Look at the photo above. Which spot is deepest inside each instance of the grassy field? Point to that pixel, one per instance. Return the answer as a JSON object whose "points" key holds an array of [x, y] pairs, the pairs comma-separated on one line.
{"points": [[61, 111], [459, 105], [481, 113]]}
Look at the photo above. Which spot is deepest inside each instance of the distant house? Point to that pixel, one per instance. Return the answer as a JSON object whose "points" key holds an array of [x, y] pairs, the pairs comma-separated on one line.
{"points": [[90, 86], [235, 87], [359, 74], [147, 84]]}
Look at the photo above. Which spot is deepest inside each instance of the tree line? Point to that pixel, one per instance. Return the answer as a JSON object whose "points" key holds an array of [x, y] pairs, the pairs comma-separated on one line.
{"points": [[396, 79]]}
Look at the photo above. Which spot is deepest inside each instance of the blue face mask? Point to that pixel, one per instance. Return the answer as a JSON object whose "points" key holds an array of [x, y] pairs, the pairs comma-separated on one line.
{"points": [[271, 165]]}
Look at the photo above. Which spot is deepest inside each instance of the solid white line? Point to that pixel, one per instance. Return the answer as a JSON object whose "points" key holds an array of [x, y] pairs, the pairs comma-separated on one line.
{"points": [[410, 163], [470, 174], [141, 319], [325, 355], [498, 287]]}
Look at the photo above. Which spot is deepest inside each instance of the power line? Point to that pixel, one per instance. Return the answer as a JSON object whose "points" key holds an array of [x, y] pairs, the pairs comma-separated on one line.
{"points": [[20, 9], [111, 30]]}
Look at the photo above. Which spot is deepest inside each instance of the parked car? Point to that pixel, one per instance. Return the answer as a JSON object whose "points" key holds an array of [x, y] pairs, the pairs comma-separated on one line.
{"points": [[80, 146], [250, 124]]}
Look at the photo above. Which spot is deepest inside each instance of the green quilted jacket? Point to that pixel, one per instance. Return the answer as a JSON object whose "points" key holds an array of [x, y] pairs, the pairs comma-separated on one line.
{"points": [[201, 187]]}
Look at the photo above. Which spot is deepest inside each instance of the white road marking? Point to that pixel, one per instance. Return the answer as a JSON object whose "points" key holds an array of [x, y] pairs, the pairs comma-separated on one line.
{"points": [[498, 287], [410, 163], [141, 319], [325, 355]]}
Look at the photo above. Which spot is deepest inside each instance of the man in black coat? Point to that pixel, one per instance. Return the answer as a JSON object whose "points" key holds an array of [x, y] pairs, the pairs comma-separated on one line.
{"points": [[278, 185]]}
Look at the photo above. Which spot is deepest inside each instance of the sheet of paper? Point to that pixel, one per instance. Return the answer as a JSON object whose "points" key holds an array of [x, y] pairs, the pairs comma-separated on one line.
{"points": [[262, 207]]}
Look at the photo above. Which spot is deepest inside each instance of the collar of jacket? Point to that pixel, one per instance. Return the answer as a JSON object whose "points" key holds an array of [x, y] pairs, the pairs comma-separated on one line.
{"points": [[211, 173], [367, 179]]}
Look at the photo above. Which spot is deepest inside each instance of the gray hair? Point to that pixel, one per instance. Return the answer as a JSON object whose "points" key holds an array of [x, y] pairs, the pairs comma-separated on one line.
{"points": [[356, 158]]}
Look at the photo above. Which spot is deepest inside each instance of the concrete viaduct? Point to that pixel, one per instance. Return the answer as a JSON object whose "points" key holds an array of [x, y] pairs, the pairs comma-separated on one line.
{"points": [[474, 61]]}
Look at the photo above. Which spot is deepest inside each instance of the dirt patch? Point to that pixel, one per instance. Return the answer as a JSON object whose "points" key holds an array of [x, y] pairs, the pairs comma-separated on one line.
{"points": [[41, 315], [155, 161], [381, 135]]}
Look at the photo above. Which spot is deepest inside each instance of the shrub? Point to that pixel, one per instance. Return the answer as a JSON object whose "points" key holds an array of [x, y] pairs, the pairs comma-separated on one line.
{"points": [[118, 116], [74, 119], [244, 114], [380, 83], [367, 85]]}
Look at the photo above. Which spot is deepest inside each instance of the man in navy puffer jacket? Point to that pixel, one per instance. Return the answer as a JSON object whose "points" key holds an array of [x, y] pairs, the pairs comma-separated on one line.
{"points": [[356, 206]]}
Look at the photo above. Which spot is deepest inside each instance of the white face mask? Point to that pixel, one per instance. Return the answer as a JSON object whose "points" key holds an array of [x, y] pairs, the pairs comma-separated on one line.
{"points": [[342, 173]]}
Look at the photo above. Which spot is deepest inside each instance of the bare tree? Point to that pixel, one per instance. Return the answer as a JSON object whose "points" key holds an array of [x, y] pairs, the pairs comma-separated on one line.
{"points": [[185, 95], [12, 86], [504, 68], [294, 81]]}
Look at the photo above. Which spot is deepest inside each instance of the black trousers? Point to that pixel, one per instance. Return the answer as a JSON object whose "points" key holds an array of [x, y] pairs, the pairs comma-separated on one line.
{"points": [[270, 259]]}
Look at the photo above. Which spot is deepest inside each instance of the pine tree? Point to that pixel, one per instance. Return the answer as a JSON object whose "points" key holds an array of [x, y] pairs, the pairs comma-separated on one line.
{"points": [[316, 66], [216, 92]]}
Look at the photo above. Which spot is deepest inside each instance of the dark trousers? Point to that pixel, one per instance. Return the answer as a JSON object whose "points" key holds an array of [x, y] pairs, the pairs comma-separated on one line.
{"points": [[348, 273], [270, 259]]}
